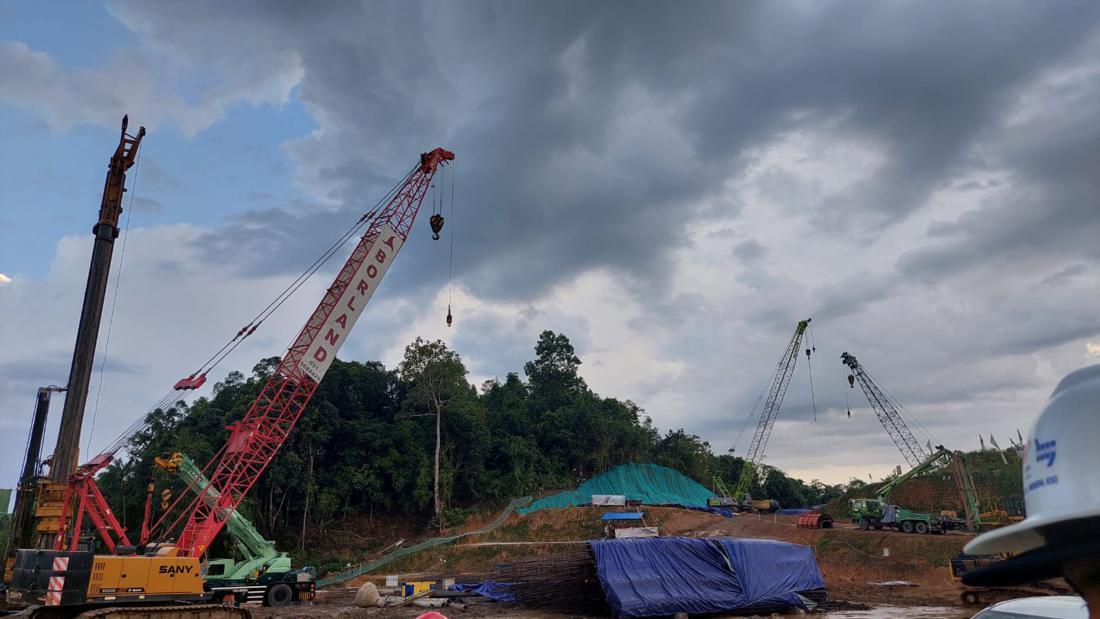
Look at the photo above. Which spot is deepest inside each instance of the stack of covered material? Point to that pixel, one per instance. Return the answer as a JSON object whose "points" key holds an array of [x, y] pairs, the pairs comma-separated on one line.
{"points": [[648, 577], [664, 576], [647, 483]]}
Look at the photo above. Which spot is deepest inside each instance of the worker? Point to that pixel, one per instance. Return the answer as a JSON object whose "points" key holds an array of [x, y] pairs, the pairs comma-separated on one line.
{"points": [[1061, 534]]}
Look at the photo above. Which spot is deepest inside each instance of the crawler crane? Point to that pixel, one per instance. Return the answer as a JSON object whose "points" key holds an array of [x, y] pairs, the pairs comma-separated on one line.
{"points": [[163, 569]]}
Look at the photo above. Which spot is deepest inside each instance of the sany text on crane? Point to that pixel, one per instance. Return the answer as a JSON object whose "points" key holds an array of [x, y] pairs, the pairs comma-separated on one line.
{"points": [[360, 288]]}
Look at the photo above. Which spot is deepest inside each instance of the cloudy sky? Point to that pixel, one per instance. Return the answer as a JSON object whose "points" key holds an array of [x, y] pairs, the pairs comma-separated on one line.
{"points": [[673, 185]]}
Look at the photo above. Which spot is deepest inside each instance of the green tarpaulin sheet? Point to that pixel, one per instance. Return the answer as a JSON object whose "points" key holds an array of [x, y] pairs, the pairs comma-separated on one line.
{"points": [[649, 483]]}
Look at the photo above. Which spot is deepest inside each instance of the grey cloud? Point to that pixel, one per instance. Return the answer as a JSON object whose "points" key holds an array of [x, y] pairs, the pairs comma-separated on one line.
{"points": [[157, 177], [142, 204], [259, 196], [748, 251], [598, 137], [852, 294], [1062, 275], [540, 135]]}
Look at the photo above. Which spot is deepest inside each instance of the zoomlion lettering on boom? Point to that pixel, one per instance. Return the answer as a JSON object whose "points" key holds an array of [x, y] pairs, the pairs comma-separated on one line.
{"points": [[1045, 451]]}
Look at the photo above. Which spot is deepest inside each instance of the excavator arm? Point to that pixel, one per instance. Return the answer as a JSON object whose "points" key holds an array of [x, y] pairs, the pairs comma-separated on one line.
{"points": [[249, 541]]}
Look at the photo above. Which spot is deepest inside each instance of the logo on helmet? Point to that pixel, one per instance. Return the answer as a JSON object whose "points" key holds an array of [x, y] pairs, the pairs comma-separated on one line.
{"points": [[1044, 451]]}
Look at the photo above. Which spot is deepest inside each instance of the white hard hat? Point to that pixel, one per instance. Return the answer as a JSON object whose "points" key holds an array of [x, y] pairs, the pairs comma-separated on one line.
{"points": [[1061, 468]]}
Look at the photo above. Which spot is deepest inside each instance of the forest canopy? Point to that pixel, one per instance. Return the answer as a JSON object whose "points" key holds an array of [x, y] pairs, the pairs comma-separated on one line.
{"points": [[366, 443]]}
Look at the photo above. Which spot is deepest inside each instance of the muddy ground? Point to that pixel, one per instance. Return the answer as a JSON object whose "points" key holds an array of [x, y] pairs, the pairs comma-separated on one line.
{"points": [[851, 561]]}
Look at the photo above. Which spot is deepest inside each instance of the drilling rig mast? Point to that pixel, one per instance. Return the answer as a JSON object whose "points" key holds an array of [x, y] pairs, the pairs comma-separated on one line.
{"points": [[66, 453]]}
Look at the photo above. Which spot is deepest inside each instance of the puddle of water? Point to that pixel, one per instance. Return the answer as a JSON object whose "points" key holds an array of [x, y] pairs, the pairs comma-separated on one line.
{"points": [[909, 612]]}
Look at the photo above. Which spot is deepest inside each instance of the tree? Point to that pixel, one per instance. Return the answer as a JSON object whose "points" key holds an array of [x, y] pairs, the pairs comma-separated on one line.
{"points": [[686, 453], [552, 375], [364, 444], [434, 377]]}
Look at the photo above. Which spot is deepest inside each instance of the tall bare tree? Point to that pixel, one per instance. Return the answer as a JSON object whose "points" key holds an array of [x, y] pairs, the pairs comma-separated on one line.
{"points": [[435, 377]]}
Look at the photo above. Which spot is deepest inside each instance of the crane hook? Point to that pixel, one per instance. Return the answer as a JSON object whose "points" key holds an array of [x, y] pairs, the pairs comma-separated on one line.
{"points": [[436, 222], [851, 381], [450, 319]]}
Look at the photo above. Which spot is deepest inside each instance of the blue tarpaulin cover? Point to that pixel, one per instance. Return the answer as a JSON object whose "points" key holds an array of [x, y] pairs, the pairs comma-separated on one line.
{"points": [[622, 516], [770, 571], [496, 591], [666, 575], [793, 511], [725, 512]]}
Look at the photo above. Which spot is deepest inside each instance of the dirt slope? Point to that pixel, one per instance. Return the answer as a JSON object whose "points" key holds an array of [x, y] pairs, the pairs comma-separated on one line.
{"points": [[849, 558]]}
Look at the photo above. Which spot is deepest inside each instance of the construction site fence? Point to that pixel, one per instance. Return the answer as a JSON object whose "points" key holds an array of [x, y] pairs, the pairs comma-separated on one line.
{"points": [[370, 566]]}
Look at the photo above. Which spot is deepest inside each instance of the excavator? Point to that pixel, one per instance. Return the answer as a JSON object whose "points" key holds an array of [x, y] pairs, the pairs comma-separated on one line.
{"points": [[164, 569], [264, 575]]}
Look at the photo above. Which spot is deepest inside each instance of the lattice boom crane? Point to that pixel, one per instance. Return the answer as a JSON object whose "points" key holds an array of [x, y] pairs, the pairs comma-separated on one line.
{"points": [[255, 440], [886, 412], [778, 389]]}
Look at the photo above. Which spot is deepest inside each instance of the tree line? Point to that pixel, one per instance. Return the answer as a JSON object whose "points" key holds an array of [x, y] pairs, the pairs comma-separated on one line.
{"points": [[366, 445]]}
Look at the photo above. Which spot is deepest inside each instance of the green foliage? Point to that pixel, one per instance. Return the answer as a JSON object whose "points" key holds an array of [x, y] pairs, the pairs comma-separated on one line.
{"points": [[5, 532], [365, 444]]}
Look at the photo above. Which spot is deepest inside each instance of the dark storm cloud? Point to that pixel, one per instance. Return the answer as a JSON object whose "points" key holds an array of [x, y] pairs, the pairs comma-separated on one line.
{"points": [[554, 175], [628, 139]]}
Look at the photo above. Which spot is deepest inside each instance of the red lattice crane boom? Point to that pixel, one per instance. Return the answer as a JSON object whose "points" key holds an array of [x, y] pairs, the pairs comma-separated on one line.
{"points": [[255, 440]]}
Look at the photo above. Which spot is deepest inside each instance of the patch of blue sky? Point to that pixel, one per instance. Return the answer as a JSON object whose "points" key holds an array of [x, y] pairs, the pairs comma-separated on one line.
{"points": [[77, 35], [51, 183]]}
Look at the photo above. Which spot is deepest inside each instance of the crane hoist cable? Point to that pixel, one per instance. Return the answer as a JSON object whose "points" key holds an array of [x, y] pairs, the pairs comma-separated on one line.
{"points": [[436, 203], [810, 371], [812, 348], [847, 403], [451, 261]]}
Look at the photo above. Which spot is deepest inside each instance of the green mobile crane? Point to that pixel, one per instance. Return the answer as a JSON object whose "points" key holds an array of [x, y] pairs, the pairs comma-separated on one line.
{"points": [[264, 574], [880, 512], [780, 379]]}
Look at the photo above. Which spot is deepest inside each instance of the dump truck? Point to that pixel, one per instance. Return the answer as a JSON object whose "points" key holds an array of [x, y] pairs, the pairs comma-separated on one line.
{"points": [[763, 506]]}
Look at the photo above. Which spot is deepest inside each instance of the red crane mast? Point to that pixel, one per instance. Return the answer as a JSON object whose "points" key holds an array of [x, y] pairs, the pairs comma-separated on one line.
{"points": [[254, 441]]}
